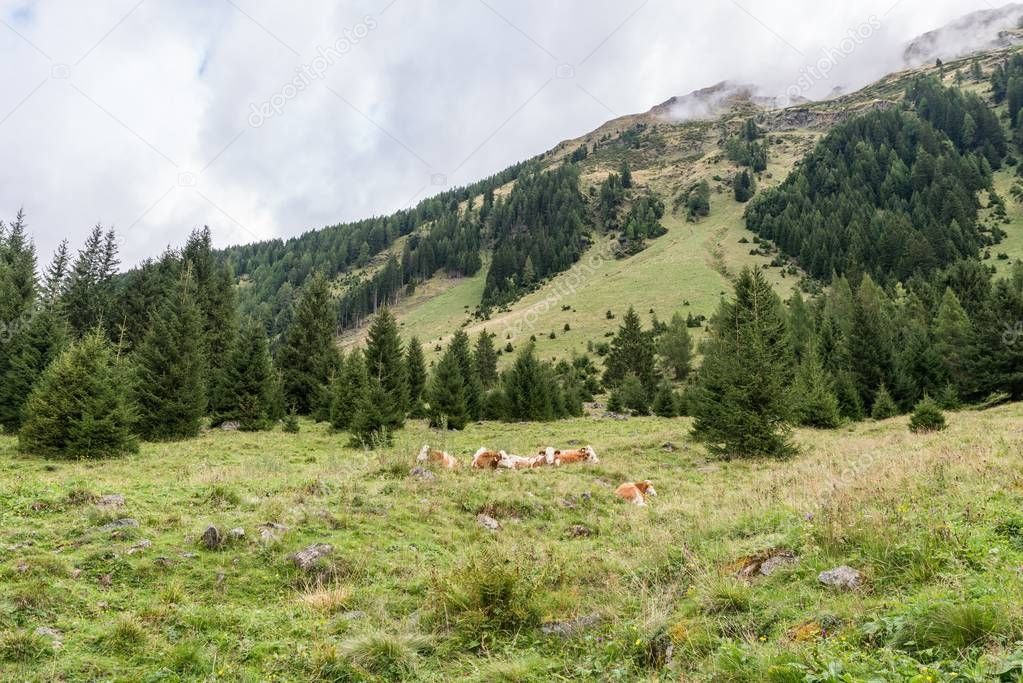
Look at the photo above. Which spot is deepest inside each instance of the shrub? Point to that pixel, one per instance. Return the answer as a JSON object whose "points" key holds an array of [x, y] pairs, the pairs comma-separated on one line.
{"points": [[927, 417], [948, 628], [291, 425]]}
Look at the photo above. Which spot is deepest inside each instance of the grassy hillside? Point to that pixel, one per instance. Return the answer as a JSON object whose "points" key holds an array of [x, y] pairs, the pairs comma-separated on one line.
{"points": [[416, 589]]}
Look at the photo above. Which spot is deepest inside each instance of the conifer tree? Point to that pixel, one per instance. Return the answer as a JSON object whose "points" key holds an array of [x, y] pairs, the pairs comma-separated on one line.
{"points": [[632, 350], [485, 358], [743, 186], [813, 394], [467, 366], [675, 347], [347, 390], [665, 401], [871, 343], [89, 295], [528, 389], [884, 405], [17, 272], [78, 408], [927, 417], [415, 368], [446, 392], [385, 363], [170, 387], [248, 381], [308, 356], [55, 278], [34, 345], [953, 346], [372, 424], [741, 403]]}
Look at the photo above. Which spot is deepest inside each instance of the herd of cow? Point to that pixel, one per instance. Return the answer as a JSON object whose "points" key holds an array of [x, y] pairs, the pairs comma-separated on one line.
{"points": [[485, 459]]}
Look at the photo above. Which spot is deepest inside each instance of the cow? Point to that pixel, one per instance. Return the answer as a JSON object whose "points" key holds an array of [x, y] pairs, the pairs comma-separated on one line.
{"points": [[517, 462], [636, 492], [486, 459], [559, 457], [435, 457]]}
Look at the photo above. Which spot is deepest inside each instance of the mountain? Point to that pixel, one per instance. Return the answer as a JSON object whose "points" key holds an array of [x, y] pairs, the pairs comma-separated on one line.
{"points": [[980, 31]]}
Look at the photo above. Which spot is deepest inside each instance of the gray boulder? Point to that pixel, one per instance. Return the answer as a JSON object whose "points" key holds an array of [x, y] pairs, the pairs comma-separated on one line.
{"points": [[843, 577]]}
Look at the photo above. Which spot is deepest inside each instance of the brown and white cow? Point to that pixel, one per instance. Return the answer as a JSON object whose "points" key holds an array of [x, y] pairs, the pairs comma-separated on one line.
{"points": [[567, 457], [486, 459], [636, 492], [518, 462], [433, 456]]}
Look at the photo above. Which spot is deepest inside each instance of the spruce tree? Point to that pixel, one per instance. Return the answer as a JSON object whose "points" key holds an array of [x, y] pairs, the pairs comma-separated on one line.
{"points": [[446, 394], [632, 350], [871, 343], [953, 348], [634, 395], [29, 352], [78, 408], [528, 389], [927, 417], [347, 390], [170, 387], [467, 366], [248, 381], [308, 355], [884, 405], [675, 347], [741, 404], [372, 424], [385, 363], [665, 401], [813, 394], [415, 368], [485, 358]]}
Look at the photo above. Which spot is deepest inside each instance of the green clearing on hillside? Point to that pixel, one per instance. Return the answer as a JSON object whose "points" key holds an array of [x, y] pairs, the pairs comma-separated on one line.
{"points": [[932, 521]]}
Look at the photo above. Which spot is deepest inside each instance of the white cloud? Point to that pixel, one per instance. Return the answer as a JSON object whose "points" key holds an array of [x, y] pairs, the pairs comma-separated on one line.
{"points": [[128, 102]]}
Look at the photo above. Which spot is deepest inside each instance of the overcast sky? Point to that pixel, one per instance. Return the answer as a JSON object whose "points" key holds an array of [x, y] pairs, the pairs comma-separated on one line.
{"points": [[266, 119]]}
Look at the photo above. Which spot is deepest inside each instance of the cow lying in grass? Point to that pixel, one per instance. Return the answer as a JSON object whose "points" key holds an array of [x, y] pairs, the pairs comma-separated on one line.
{"points": [[567, 457], [517, 462], [636, 492], [432, 456], [486, 459]]}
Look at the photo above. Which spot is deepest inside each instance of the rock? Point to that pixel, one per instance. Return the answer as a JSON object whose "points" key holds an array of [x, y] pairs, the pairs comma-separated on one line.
{"points": [[111, 500], [229, 427], [271, 531], [212, 538], [763, 563], [668, 447], [421, 473], [353, 615], [579, 531], [844, 577], [189, 556], [163, 562], [487, 522], [306, 558], [52, 634], [75, 573], [236, 534], [567, 629], [615, 416], [773, 563], [120, 524], [140, 546]]}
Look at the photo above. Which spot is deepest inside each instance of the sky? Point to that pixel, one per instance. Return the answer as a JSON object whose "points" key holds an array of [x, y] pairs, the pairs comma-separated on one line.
{"points": [[267, 119]]}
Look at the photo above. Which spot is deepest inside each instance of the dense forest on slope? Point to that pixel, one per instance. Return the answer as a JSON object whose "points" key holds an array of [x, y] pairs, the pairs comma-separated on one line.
{"points": [[886, 193]]}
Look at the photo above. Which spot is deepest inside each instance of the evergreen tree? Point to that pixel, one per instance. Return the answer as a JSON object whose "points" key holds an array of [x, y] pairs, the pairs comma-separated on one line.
{"points": [[34, 345], [385, 363], [626, 174], [347, 390], [308, 356], [871, 343], [632, 350], [813, 394], [665, 401], [79, 408], [248, 384], [741, 402], [884, 405], [800, 326], [743, 186], [528, 389], [446, 393], [55, 279], [485, 358], [675, 348], [953, 346], [372, 424], [634, 395], [89, 296], [467, 366], [170, 387], [415, 368], [927, 417]]}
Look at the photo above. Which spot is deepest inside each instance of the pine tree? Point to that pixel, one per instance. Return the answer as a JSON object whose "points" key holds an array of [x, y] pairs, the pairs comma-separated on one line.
{"points": [[55, 279], [467, 366], [813, 394], [89, 296], [415, 368], [884, 405], [34, 345], [347, 390], [632, 350], [626, 175], [953, 347], [927, 417], [372, 424], [308, 356], [871, 344], [170, 387], [741, 405], [446, 394], [248, 383], [528, 389], [743, 186], [634, 395], [485, 358], [79, 408], [675, 348], [385, 363], [665, 401]]}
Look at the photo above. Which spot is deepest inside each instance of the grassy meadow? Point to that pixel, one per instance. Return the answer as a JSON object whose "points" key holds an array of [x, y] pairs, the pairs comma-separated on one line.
{"points": [[574, 585]]}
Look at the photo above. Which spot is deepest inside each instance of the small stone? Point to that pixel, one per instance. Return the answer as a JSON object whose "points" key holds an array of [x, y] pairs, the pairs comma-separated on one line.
{"points": [[120, 524], [306, 558], [580, 531], [668, 447], [230, 427], [487, 522], [271, 531], [236, 534], [421, 473], [51, 633], [212, 538], [106, 580], [163, 562], [111, 500], [772, 564], [140, 546], [353, 615], [75, 573], [567, 629], [189, 556], [844, 577]]}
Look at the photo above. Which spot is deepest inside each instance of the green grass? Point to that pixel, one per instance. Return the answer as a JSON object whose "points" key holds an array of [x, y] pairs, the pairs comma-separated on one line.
{"points": [[416, 590]]}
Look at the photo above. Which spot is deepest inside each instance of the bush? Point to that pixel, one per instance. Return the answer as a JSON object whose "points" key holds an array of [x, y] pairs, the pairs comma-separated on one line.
{"points": [[927, 417]]}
